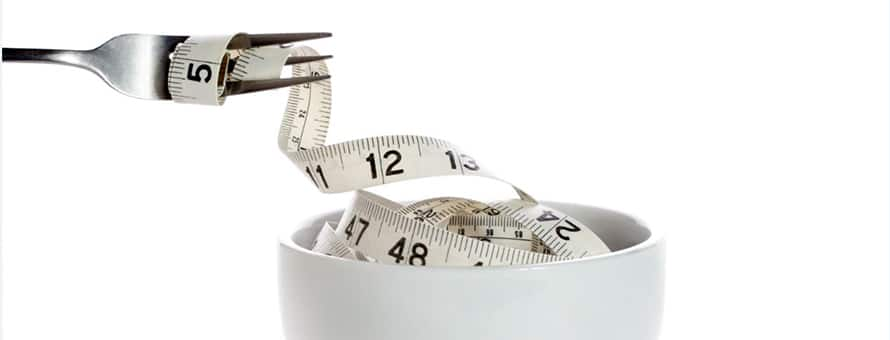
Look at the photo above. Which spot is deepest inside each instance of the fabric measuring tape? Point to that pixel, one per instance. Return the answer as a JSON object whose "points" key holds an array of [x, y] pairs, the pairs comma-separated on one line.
{"points": [[444, 231]]}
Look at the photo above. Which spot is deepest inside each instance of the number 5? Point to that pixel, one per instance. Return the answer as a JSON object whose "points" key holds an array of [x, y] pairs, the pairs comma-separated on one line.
{"points": [[195, 74]]}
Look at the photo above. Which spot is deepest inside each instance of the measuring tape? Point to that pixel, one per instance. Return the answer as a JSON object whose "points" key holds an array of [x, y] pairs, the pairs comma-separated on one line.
{"points": [[439, 231]]}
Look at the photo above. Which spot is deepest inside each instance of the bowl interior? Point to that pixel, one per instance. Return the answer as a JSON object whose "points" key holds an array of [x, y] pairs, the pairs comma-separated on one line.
{"points": [[617, 230]]}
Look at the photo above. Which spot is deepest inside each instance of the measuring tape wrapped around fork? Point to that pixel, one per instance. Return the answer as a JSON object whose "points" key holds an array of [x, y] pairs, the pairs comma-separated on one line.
{"points": [[444, 231]]}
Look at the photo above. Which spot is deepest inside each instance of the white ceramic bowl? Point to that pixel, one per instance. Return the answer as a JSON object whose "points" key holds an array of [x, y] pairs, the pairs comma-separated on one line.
{"points": [[615, 296]]}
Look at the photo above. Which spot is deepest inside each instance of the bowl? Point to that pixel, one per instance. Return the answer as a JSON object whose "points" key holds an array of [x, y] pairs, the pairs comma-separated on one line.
{"points": [[613, 296]]}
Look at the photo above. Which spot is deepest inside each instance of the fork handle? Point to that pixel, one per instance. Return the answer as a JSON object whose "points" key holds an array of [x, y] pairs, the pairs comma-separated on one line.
{"points": [[39, 55]]}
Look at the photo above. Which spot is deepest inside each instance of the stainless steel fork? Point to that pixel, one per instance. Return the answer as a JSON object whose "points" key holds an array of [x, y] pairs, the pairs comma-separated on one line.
{"points": [[137, 64]]}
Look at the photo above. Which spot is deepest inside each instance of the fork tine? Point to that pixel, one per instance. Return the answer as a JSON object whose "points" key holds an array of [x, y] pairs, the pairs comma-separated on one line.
{"points": [[248, 86], [283, 38], [306, 59]]}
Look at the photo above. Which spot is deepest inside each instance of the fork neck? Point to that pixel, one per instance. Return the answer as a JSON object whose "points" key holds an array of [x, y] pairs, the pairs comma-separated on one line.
{"points": [[38, 55]]}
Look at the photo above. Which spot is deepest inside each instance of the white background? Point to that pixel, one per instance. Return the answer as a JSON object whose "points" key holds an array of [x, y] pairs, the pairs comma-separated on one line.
{"points": [[755, 132]]}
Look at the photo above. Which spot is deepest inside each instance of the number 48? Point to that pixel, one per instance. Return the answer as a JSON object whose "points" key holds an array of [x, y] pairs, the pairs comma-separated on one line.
{"points": [[418, 253]]}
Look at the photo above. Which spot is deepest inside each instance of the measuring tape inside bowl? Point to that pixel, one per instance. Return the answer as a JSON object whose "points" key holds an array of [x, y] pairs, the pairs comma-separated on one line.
{"points": [[433, 232]]}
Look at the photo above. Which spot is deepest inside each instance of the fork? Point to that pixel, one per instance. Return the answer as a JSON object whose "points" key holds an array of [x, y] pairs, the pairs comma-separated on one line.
{"points": [[137, 64]]}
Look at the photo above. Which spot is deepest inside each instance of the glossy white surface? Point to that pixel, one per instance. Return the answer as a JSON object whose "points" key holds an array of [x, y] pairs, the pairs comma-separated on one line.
{"points": [[617, 296]]}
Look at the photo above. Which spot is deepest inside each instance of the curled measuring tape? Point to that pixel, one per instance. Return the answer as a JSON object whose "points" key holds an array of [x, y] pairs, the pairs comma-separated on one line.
{"points": [[433, 232]]}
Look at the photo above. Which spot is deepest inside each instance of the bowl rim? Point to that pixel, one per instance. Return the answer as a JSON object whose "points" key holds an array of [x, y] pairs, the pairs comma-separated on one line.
{"points": [[656, 237]]}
